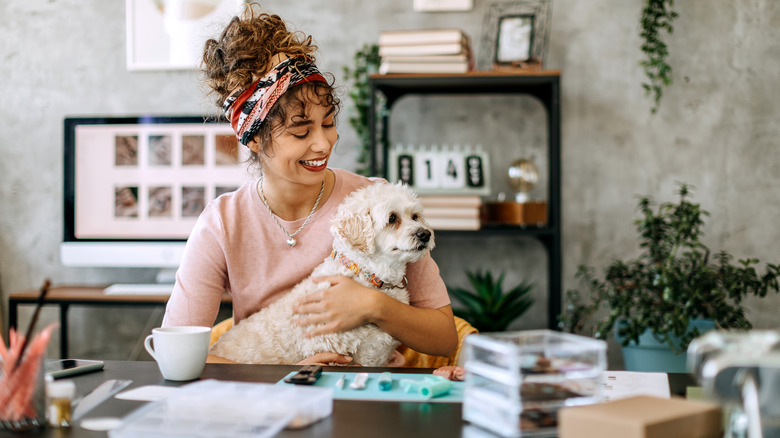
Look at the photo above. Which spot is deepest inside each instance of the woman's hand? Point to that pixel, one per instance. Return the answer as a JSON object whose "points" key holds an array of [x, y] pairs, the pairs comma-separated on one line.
{"points": [[341, 307], [326, 359]]}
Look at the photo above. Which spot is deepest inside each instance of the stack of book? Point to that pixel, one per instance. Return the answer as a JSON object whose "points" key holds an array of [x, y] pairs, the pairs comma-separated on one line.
{"points": [[452, 212], [425, 51]]}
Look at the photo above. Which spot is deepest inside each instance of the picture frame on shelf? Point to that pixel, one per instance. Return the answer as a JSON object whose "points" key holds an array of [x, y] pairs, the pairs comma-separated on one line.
{"points": [[514, 39], [503, 41]]}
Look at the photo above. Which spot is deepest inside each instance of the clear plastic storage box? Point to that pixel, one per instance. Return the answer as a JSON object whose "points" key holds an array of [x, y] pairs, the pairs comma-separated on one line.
{"points": [[517, 381]]}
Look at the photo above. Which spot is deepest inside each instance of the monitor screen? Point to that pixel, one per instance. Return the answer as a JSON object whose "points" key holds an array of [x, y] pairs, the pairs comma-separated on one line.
{"points": [[134, 186]]}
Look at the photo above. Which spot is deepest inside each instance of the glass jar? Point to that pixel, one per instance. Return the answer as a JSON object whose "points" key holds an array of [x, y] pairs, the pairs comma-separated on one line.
{"points": [[59, 395], [23, 397]]}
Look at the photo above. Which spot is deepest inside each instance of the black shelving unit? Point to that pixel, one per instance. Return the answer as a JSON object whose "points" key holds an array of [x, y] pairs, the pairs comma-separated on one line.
{"points": [[545, 86]]}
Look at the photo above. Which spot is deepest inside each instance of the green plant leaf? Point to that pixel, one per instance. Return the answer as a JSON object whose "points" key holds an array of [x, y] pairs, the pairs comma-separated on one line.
{"points": [[487, 307], [657, 16], [519, 291], [366, 62]]}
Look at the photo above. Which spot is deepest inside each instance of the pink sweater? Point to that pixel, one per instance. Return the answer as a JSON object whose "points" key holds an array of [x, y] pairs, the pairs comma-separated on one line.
{"points": [[236, 246]]}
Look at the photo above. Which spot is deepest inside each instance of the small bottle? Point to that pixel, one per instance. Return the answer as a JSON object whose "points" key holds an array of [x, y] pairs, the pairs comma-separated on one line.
{"points": [[59, 397]]}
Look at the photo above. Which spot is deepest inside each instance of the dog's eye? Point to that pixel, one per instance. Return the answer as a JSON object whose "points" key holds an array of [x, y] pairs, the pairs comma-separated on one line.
{"points": [[392, 218], [415, 216]]}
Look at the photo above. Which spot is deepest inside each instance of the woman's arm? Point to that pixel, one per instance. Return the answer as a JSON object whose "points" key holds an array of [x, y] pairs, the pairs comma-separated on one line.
{"points": [[347, 304], [201, 277]]}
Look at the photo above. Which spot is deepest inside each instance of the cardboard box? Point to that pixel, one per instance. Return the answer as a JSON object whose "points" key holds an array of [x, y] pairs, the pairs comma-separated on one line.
{"points": [[641, 417]]}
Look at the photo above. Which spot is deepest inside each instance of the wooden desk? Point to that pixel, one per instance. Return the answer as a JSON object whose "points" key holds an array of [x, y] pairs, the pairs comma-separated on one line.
{"points": [[64, 296], [349, 419]]}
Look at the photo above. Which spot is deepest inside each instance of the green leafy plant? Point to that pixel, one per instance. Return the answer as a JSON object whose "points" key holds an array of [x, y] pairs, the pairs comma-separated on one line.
{"points": [[671, 282], [488, 308], [657, 16], [366, 62]]}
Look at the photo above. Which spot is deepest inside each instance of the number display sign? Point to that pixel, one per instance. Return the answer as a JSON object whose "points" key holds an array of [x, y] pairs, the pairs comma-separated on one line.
{"points": [[441, 169]]}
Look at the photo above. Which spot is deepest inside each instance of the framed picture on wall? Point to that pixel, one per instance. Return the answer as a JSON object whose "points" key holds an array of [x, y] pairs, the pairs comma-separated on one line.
{"points": [[515, 35], [514, 39], [169, 34]]}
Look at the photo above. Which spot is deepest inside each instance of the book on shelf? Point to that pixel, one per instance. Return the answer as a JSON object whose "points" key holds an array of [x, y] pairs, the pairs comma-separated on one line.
{"points": [[451, 212], [420, 36], [424, 49], [430, 201], [454, 223], [390, 67], [460, 57]]}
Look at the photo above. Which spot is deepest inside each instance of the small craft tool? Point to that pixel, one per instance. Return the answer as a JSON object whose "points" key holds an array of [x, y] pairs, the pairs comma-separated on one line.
{"points": [[429, 387], [385, 381], [360, 381]]}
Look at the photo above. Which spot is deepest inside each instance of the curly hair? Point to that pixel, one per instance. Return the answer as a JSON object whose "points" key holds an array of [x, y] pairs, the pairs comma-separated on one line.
{"points": [[243, 53]]}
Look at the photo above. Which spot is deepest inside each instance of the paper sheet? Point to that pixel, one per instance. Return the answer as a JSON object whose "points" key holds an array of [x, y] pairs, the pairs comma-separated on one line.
{"points": [[147, 393], [622, 384]]}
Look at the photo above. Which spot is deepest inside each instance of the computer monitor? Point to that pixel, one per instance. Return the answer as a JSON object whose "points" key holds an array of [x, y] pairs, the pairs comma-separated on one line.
{"points": [[134, 186]]}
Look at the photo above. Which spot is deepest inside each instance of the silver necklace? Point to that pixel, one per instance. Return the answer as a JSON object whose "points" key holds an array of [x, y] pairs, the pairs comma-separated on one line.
{"points": [[291, 237]]}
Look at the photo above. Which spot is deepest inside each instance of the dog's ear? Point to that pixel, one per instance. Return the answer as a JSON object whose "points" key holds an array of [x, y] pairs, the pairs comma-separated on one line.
{"points": [[357, 230]]}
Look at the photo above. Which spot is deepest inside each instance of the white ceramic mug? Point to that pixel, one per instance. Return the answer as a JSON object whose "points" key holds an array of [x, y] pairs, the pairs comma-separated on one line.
{"points": [[180, 352]]}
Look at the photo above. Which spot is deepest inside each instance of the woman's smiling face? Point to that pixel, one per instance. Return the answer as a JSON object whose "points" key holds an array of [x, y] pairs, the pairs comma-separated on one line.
{"points": [[302, 145]]}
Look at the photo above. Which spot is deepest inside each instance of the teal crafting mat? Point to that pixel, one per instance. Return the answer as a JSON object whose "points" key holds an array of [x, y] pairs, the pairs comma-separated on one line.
{"points": [[372, 391]]}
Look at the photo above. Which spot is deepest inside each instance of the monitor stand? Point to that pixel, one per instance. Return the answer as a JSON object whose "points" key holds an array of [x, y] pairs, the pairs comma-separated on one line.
{"points": [[166, 276]]}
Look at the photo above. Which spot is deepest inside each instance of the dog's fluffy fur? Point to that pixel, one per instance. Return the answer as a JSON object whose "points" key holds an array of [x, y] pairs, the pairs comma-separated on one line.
{"points": [[380, 227]]}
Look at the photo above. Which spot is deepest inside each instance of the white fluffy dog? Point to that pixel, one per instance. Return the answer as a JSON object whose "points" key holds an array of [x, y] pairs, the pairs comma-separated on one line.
{"points": [[377, 230]]}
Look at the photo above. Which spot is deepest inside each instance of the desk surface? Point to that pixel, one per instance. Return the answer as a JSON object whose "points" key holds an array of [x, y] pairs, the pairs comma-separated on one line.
{"points": [[349, 418]]}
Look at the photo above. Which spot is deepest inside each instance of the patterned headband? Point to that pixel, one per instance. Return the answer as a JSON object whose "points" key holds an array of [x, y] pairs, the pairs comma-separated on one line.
{"points": [[247, 109]]}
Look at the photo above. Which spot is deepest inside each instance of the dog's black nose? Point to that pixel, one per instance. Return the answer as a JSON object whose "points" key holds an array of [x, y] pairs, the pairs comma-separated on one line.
{"points": [[423, 235]]}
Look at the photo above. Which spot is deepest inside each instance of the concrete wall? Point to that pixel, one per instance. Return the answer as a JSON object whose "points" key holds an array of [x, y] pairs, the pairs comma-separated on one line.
{"points": [[717, 129]]}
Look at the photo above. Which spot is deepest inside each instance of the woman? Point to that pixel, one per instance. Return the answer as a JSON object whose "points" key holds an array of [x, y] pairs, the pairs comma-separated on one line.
{"points": [[261, 240]]}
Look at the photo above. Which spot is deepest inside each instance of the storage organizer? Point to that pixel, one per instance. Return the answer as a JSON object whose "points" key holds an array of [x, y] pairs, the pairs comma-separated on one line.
{"points": [[517, 381]]}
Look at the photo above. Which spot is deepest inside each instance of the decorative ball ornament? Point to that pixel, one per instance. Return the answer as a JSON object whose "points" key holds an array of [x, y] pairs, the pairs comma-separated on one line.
{"points": [[523, 176]]}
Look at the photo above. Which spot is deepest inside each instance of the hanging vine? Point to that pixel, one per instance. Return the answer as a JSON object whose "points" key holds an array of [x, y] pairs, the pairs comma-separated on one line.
{"points": [[366, 62], [657, 16]]}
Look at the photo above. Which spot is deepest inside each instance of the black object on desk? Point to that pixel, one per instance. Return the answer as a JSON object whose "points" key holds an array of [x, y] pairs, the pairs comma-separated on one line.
{"points": [[71, 367], [307, 375]]}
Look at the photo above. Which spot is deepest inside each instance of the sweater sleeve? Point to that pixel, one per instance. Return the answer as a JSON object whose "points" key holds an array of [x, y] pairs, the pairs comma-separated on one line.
{"points": [[202, 276], [426, 287]]}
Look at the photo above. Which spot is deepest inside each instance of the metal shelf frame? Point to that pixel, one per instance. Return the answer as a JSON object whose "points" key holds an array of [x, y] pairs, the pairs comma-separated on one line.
{"points": [[543, 85]]}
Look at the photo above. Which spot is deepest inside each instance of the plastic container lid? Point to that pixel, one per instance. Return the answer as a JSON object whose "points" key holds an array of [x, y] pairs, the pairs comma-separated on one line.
{"points": [[221, 408], [61, 389]]}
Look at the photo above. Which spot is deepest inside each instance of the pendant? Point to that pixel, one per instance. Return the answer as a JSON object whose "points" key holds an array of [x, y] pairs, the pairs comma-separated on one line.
{"points": [[291, 241]]}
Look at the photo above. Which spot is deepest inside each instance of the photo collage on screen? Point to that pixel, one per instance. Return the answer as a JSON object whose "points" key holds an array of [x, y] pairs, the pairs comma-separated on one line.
{"points": [[159, 155]]}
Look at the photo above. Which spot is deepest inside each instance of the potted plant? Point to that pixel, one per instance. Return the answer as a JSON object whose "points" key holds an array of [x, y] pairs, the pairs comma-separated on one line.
{"points": [[367, 61], [487, 307], [672, 292]]}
